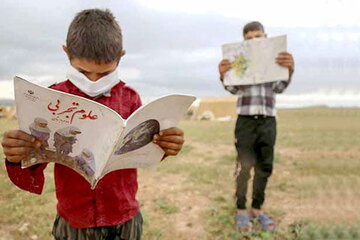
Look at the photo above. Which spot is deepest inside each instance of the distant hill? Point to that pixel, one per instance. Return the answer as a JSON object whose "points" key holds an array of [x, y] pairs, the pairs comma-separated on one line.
{"points": [[7, 102]]}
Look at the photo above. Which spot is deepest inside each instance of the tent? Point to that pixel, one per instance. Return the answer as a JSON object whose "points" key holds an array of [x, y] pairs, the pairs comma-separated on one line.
{"points": [[211, 108]]}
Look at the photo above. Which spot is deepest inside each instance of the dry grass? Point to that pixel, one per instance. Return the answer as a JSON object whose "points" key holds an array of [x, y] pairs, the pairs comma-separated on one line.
{"points": [[315, 183]]}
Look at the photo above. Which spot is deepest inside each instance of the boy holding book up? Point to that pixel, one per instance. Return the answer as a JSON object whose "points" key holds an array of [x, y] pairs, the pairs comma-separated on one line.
{"points": [[255, 135]]}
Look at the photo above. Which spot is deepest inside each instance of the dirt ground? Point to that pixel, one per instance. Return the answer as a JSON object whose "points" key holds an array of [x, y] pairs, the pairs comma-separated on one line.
{"points": [[191, 196]]}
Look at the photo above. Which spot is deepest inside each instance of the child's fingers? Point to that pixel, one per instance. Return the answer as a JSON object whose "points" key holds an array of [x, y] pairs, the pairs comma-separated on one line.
{"points": [[12, 142], [284, 60], [284, 54], [171, 138], [15, 159], [170, 152], [285, 64], [225, 69], [171, 131], [224, 62], [225, 65], [18, 134], [155, 137], [37, 143], [169, 145], [17, 151]]}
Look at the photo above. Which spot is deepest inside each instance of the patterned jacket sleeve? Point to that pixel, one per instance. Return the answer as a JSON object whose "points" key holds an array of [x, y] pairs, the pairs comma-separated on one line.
{"points": [[30, 179], [236, 90], [280, 86]]}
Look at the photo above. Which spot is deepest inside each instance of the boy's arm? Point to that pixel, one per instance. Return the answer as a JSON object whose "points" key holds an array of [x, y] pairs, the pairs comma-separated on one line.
{"points": [[30, 179], [286, 60], [280, 86], [236, 90], [16, 146], [223, 67]]}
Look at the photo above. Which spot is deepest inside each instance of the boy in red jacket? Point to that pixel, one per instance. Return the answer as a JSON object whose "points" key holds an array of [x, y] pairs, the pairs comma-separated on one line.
{"points": [[110, 211]]}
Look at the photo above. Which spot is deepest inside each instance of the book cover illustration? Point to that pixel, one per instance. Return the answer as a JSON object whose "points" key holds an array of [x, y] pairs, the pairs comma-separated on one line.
{"points": [[140, 136], [253, 61], [89, 137]]}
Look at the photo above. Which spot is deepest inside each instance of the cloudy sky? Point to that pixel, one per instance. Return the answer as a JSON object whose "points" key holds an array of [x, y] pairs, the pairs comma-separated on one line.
{"points": [[175, 46]]}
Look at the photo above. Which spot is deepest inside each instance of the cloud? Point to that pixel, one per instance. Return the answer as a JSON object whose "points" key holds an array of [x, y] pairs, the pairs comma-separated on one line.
{"points": [[330, 98], [130, 73], [197, 56], [7, 89], [172, 50], [275, 13]]}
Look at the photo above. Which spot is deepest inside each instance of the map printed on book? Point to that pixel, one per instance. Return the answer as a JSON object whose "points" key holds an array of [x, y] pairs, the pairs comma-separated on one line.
{"points": [[253, 61], [89, 137]]}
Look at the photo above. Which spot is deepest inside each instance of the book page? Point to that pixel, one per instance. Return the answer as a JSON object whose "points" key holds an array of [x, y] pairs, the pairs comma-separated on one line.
{"points": [[135, 148], [253, 61], [74, 131]]}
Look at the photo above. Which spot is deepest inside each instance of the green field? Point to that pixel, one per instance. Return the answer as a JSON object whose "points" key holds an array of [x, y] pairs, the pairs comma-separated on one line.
{"points": [[312, 194]]}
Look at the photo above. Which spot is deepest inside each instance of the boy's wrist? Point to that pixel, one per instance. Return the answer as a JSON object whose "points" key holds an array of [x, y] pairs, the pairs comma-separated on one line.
{"points": [[12, 163], [291, 72]]}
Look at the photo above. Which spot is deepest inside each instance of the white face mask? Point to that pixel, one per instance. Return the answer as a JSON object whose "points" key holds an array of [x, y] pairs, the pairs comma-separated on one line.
{"points": [[101, 87]]}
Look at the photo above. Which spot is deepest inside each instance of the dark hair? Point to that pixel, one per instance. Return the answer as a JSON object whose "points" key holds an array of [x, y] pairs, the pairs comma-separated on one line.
{"points": [[253, 26], [94, 34]]}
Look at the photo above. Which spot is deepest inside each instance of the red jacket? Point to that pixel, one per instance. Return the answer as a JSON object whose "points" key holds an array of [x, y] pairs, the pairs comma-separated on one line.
{"points": [[113, 200]]}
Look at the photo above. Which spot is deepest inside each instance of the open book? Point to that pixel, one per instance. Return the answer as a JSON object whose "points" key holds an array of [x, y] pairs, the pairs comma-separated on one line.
{"points": [[89, 137], [253, 61]]}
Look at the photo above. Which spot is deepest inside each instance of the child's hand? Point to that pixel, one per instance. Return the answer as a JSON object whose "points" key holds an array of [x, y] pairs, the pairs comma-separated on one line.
{"points": [[285, 59], [17, 145], [170, 140], [224, 66]]}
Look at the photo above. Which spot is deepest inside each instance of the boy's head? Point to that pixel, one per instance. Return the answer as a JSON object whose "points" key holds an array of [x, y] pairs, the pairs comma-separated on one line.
{"points": [[253, 30], [94, 43]]}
